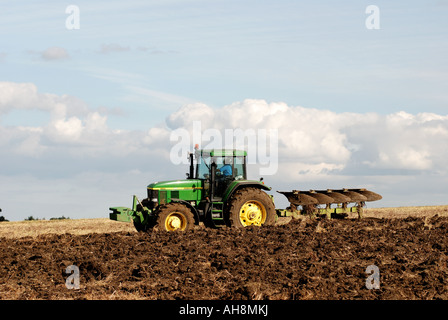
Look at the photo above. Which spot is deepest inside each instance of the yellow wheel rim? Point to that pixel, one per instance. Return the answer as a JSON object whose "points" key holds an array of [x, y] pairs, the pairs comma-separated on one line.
{"points": [[252, 213], [175, 221]]}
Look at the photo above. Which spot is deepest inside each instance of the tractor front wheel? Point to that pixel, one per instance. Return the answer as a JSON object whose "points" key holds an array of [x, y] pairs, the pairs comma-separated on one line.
{"points": [[174, 217], [250, 206]]}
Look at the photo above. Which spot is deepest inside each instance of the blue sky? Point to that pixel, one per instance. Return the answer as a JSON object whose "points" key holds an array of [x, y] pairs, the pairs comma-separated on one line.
{"points": [[134, 65]]}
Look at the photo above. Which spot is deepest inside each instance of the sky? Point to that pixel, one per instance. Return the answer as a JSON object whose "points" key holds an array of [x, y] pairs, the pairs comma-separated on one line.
{"points": [[93, 94]]}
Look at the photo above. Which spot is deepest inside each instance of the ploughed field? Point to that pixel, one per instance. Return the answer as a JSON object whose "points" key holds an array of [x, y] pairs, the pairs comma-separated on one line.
{"points": [[296, 259]]}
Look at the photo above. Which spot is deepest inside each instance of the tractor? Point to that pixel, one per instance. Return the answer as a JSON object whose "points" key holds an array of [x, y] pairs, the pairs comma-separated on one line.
{"points": [[217, 193]]}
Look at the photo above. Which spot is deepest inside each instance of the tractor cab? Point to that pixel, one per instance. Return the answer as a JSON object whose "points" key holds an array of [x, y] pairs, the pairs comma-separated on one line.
{"points": [[218, 169]]}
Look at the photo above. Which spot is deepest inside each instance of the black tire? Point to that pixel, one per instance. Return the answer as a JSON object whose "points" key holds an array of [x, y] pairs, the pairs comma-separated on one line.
{"points": [[174, 217], [250, 206]]}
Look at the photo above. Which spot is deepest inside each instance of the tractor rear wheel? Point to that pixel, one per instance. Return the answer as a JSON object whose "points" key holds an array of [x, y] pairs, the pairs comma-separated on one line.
{"points": [[250, 206], [174, 217]]}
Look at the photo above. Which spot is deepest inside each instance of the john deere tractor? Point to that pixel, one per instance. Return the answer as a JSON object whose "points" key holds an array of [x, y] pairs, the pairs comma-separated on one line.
{"points": [[218, 193]]}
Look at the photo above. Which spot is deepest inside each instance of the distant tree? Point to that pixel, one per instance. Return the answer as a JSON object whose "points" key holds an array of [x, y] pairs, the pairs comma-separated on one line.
{"points": [[2, 218], [60, 218]]}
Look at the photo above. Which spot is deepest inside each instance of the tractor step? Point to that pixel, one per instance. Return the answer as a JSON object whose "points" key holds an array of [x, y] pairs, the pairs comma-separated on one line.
{"points": [[217, 210]]}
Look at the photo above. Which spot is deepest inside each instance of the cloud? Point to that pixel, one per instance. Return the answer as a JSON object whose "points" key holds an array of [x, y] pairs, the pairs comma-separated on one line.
{"points": [[113, 47], [317, 141], [401, 141], [54, 53], [25, 96], [70, 118], [186, 115]]}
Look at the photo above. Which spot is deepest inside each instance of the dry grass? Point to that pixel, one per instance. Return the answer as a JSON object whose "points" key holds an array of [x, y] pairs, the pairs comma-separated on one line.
{"points": [[403, 212], [19, 229]]}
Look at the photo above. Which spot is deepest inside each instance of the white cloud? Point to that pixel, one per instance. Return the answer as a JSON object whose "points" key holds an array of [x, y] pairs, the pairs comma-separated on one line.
{"points": [[16, 95], [186, 115], [402, 141], [25, 96], [66, 129]]}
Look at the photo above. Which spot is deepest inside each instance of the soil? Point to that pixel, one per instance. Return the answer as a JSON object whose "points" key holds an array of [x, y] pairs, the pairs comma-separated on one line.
{"points": [[303, 259]]}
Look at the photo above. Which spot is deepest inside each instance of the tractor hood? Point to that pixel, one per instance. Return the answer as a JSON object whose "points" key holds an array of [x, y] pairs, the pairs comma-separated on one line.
{"points": [[176, 184]]}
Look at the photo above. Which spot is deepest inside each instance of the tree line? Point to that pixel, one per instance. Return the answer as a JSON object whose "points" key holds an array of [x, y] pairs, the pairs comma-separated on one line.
{"points": [[31, 218]]}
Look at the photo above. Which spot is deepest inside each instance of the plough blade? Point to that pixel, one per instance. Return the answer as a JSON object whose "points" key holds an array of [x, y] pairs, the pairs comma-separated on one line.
{"points": [[316, 197], [338, 197], [354, 196], [299, 199], [370, 195], [310, 200]]}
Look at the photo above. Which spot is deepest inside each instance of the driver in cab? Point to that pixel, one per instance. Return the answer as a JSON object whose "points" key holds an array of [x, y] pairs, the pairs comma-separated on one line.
{"points": [[226, 169]]}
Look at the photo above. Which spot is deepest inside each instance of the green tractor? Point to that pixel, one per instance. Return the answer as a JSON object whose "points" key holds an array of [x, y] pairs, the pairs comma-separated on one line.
{"points": [[218, 193]]}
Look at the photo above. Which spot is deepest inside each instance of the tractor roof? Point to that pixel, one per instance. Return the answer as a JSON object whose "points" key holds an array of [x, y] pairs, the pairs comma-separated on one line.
{"points": [[223, 152]]}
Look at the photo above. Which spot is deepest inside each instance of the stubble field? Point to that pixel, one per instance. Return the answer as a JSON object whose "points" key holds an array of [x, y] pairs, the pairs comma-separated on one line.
{"points": [[298, 259]]}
